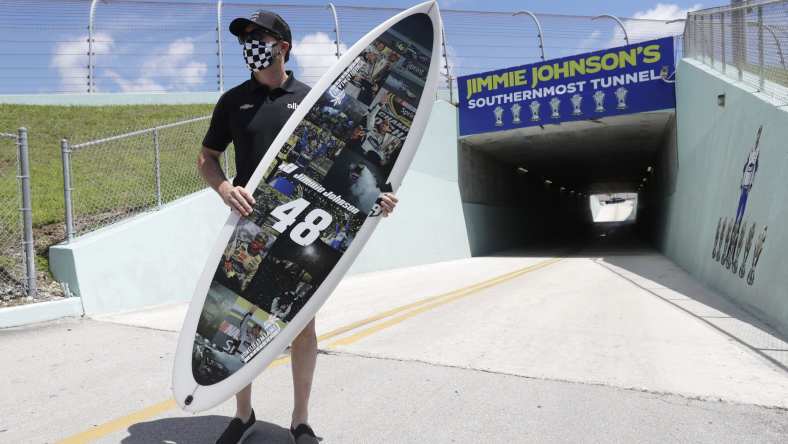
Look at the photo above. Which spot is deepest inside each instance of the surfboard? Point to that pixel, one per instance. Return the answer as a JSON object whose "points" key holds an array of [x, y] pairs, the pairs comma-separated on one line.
{"points": [[316, 188]]}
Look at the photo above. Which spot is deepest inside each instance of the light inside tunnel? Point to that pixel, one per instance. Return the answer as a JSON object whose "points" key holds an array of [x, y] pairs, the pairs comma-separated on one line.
{"points": [[614, 207]]}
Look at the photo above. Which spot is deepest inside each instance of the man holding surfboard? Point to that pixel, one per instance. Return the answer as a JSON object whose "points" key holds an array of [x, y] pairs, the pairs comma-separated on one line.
{"points": [[251, 115]]}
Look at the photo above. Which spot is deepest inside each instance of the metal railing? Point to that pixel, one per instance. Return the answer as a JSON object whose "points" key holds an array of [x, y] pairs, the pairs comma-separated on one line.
{"points": [[746, 41], [17, 255], [112, 178], [156, 46]]}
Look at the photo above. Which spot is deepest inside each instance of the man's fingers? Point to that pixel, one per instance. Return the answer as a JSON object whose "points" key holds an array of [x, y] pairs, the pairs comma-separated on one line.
{"points": [[233, 203], [239, 205], [246, 195], [242, 201], [386, 205]]}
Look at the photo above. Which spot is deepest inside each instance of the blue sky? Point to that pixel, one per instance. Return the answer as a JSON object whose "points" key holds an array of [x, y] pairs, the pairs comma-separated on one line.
{"points": [[625, 8], [168, 47]]}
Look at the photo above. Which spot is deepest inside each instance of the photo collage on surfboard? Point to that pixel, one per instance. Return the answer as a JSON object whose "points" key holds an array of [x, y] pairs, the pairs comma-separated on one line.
{"points": [[336, 159]]}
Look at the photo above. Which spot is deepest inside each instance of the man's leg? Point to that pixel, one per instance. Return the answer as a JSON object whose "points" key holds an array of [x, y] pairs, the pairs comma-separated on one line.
{"points": [[303, 353], [243, 403], [243, 420]]}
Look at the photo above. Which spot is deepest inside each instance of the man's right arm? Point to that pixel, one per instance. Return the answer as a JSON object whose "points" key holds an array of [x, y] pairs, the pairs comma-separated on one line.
{"points": [[216, 140], [236, 197]]}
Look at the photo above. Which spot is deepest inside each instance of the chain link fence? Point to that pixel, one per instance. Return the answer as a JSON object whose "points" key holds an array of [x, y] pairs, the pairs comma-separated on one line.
{"points": [[112, 178], [158, 46], [17, 263], [747, 41]]}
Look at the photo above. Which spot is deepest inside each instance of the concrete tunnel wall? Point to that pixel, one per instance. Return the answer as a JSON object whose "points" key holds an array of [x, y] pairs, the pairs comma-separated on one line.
{"points": [[505, 209], [697, 185]]}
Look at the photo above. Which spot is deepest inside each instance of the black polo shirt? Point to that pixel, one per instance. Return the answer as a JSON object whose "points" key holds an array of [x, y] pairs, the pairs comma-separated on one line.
{"points": [[251, 115]]}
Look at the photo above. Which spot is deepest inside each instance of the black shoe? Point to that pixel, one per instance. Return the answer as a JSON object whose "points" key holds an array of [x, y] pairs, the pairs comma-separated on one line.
{"points": [[303, 434], [236, 431]]}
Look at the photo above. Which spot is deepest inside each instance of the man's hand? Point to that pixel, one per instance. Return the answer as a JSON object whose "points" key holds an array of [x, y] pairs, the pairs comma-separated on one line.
{"points": [[387, 203], [237, 198]]}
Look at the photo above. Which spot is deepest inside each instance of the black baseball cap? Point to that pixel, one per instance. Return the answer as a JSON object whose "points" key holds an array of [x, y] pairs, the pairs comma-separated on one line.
{"points": [[271, 22]]}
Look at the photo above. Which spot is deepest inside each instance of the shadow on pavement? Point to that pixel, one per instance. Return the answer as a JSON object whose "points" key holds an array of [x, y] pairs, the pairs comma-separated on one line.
{"points": [[200, 430], [621, 247]]}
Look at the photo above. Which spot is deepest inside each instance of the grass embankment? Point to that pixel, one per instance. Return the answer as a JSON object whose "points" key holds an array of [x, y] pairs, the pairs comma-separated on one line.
{"points": [[107, 179]]}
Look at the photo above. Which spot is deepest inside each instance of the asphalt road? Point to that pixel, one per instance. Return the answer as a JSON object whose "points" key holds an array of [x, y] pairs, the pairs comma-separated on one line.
{"points": [[599, 347]]}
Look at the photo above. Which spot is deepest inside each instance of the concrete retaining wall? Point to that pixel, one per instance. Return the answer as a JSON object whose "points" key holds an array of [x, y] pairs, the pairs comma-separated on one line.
{"points": [[155, 258], [714, 143]]}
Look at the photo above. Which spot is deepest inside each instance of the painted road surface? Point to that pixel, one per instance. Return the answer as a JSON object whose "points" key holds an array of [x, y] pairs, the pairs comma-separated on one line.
{"points": [[602, 346]]}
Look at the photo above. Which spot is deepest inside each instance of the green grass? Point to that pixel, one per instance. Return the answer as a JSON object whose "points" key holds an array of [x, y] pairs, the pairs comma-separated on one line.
{"points": [[110, 181], [117, 169]]}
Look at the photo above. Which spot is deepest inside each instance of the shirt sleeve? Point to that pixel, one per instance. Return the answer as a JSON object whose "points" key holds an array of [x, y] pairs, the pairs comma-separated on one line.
{"points": [[219, 135]]}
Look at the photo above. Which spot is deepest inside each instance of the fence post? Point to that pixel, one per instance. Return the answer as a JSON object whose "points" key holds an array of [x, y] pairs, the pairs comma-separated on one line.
{"points": [[760, 49], [738, 37], [617, 20], [723, 59], [157, 165], [91, 61], [65, 151], [27, 212], [538, 27], [336, 28], [219, 51], [226, 164], [446, 64], [695, 37], [703, 38]]}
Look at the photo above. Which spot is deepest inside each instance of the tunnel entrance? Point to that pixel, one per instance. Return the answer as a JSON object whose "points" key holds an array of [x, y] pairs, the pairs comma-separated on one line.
{"points": [[613, 207], [563, 185], [537, 140]]}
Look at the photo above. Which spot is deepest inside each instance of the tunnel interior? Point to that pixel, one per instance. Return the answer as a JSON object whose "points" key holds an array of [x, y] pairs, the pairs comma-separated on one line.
{"points": [[544, 186]]}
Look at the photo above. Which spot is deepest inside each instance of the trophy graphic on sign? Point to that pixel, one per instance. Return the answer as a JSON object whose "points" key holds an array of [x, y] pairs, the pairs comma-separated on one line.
{"points": [[577, 99], [498, 111], [535, 111], [599, 99], [555, 102], [516, 113], [621, 95]]}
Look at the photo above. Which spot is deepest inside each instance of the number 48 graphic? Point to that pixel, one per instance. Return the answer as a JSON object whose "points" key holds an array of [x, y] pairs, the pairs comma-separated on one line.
{"points": [[307, 231]]}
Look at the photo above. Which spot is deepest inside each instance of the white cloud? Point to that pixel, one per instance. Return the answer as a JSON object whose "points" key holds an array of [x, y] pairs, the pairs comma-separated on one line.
{"points": [[169, 68], [665, 11], [71, 60], [141, 84], [176, 64], [661, 12], [314, 54], [449, 3], [591, 42]]}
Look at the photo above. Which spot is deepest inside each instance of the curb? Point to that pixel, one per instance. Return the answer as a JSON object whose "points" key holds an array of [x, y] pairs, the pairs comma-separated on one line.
{"points": [[40, 312]]}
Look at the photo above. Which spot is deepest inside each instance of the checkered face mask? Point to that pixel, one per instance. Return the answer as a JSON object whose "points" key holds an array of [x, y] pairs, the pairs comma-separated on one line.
{"points": [[258, 55]]}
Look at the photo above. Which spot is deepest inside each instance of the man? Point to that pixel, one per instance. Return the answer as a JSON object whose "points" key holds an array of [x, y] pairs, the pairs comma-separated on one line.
{"points": [[379, 143], [747, 179], [748, 176], [251, 115]]}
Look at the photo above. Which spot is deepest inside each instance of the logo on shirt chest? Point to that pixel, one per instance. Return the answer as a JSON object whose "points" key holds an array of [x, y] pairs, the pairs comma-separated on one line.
{"points": [[293, 105], [245, 107]]}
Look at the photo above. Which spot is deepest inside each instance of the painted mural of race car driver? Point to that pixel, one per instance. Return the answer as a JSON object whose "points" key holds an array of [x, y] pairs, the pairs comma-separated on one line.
{"points": [[748, 176]]}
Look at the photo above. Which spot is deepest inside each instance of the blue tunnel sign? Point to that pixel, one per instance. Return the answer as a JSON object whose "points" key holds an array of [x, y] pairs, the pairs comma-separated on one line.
{"points": [[624, 80]]}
